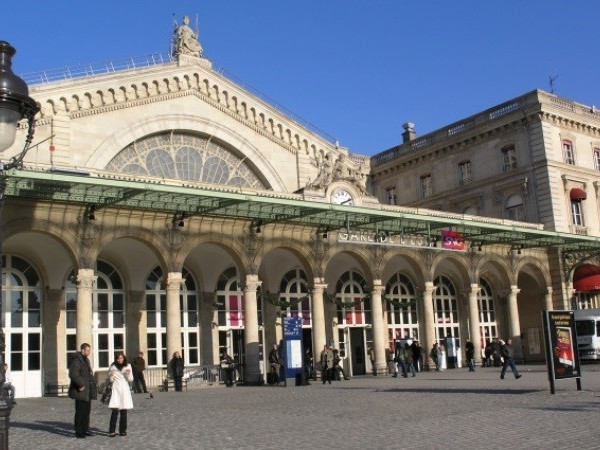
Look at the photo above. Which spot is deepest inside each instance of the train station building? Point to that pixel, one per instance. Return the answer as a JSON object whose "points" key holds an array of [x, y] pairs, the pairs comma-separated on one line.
{"points": [[164, 207]]}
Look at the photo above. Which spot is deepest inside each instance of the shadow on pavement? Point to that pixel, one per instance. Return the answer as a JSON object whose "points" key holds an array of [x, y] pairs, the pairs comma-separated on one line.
{"points": [[60, 428], [428, 390]]}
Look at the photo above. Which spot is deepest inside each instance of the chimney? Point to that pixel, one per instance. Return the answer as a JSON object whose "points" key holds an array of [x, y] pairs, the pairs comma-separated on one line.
{"points": [[409, 132]]}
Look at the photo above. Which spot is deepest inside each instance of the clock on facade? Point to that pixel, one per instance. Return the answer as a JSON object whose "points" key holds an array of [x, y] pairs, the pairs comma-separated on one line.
{"points": [[342, 197]]}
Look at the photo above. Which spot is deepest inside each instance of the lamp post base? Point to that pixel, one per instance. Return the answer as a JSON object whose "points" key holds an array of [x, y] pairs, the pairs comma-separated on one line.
{"points": [[5, 409]]}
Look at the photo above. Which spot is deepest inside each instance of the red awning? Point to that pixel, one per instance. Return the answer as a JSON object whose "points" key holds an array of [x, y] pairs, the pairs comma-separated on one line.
{"points": [[578, 194], [588, 284], [586, 278]]}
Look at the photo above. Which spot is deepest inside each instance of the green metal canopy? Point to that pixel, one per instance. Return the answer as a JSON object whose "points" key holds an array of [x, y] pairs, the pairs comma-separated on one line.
{"points": [[110, 191]]}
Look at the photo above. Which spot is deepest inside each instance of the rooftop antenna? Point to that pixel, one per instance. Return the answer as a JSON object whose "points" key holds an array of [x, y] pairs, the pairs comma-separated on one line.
{"points": [[197, 29], [172, 36], [552, 80]]}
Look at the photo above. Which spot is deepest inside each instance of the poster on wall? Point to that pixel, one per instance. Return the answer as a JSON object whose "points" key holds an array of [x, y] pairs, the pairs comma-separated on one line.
{"points": [[561, 345]]}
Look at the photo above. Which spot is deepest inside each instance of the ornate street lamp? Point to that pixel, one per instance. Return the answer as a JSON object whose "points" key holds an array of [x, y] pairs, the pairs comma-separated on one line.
{"points": [[15, 104]]}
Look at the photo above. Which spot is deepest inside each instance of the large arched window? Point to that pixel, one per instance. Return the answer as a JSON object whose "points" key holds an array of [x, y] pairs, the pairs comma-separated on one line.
{"points": [[190, 331], [293, 290], [22, 321], [184, 156], [487, 313], [445, 307], [402, 308]]}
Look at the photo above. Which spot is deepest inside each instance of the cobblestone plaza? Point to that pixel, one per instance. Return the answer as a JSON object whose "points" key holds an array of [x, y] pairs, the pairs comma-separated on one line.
{"points": [[449, 409]]}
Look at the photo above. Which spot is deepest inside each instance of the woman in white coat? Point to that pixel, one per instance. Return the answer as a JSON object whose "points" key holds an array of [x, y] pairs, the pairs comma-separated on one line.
{"points": [[120, 375]]}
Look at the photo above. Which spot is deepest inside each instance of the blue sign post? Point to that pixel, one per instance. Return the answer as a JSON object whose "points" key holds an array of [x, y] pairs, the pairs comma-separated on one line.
{"points": [[292, 341]]}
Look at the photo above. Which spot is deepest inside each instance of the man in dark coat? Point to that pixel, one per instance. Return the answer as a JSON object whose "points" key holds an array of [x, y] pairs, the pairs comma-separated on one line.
{"points": [[138, 365], [176, 367], [507, 355], [82, 389], [470, 355]]}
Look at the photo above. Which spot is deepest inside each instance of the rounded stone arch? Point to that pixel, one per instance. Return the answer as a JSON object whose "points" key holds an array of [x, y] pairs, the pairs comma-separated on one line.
{"points": [[411, 259], [112, 145], [230, 244], [297, 248], [49, 248], [453, 267], [532, 266], [271, 273], [152, 241], [495, 270], [361, 256]]}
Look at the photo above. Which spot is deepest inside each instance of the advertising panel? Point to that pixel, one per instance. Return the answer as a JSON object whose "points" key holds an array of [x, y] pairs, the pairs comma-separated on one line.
{"points": [[561, 342]]}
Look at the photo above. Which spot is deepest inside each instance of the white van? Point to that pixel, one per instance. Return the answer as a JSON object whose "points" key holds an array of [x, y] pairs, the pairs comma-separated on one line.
{"points": [[587, 324]]}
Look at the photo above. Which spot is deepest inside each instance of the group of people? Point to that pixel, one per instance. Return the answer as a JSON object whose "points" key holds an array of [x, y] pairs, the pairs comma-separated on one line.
{"points": [[406, 358], [499, 351], [121, 375]]}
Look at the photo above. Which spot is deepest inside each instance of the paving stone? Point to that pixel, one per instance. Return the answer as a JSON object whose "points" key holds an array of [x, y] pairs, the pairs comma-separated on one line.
{"points": [[449, 409]]}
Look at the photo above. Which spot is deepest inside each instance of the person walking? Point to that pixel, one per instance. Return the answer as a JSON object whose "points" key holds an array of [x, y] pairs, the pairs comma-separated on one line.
{"points": [[82, 389], [470, 355], [326, 364], [409, 359], [8, 385], [436, 355], [228, 367], [416, 351], [400, 360], [308, 363], [138, 365], [120, 375], [337, 368], [275, 363], [176, 367], [506, 351]]}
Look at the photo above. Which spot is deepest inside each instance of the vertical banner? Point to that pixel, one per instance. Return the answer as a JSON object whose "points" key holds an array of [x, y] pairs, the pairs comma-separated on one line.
{"points": [[562, 356], [292, 338]]}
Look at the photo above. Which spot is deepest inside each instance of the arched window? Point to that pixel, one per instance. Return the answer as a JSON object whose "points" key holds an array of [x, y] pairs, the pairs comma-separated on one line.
{"points": [[190, 332], [353, 307], [108, 315], [514, 208], [402, 308], [22, 321], [445, 302], [156, 319], [294, 289], [487, 313]]}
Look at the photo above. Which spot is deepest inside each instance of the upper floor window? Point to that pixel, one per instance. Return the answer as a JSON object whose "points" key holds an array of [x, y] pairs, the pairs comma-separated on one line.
{"points": [[509, 157], [426, 185], [577, 195], [514, 208], [390, 196], [597, 159], [568, 155], [464, 172]]}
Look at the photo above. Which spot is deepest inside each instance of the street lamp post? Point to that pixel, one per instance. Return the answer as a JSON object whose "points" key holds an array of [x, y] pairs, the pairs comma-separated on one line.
{"points": [[15, 104]]}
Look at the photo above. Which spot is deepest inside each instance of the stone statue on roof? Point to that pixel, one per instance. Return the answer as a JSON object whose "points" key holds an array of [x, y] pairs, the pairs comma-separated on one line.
{"points": [[185, 40], [334, 167]]}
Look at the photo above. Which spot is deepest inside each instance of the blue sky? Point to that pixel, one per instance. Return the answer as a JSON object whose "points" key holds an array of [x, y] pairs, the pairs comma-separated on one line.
{"points": [[355, 69]]}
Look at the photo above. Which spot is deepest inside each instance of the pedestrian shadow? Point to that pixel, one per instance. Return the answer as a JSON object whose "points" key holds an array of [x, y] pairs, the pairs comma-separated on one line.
{"points": [[587, 406], [60, 428], [484, 391]]}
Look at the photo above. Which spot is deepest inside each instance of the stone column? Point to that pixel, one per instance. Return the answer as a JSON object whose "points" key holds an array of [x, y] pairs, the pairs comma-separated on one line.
{"points": [[378, 342], [474, 327], [137, 340], [251, 338], [54, 354], [514, 328], [318, 317], [568, 299], [548, 303], [174, 282], [85, 283], [429, 328]]}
